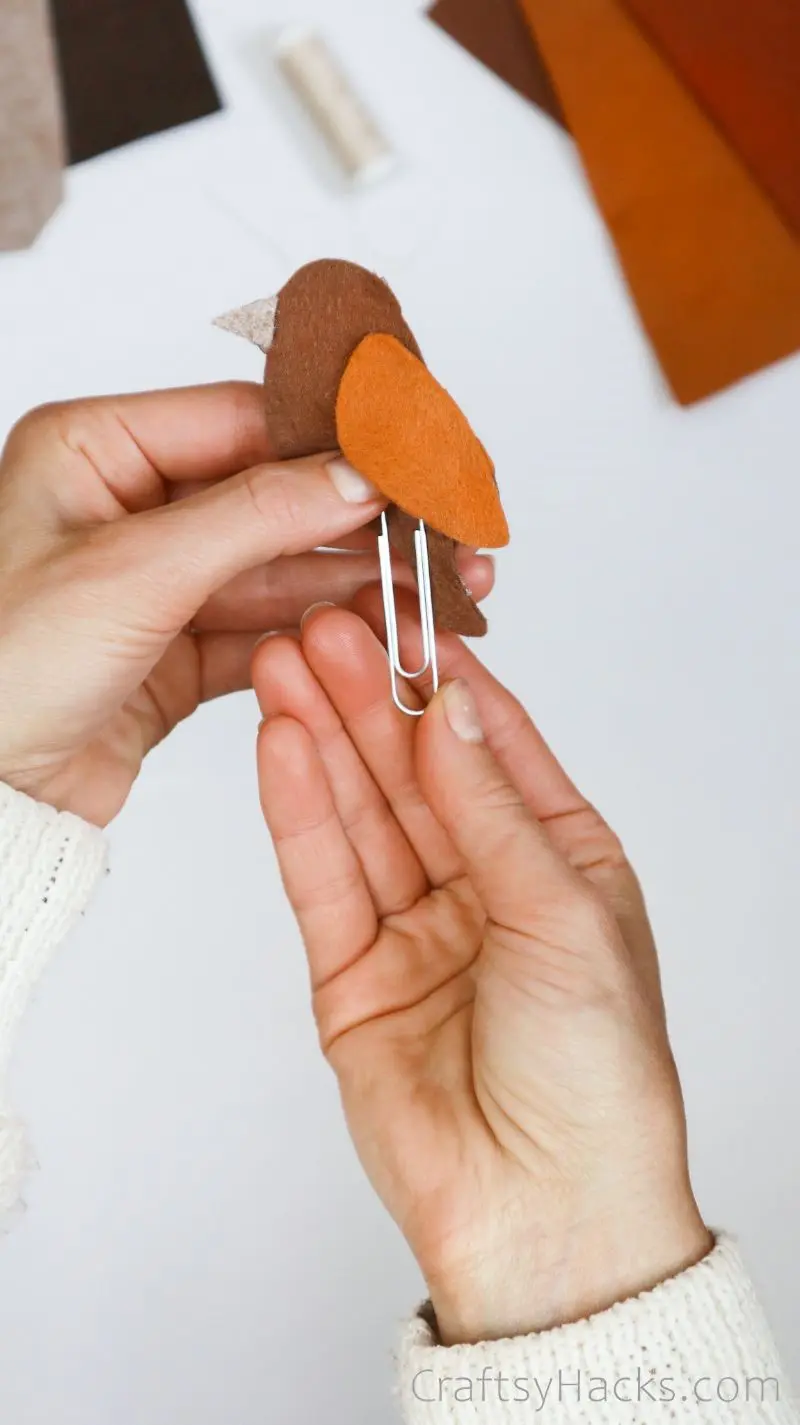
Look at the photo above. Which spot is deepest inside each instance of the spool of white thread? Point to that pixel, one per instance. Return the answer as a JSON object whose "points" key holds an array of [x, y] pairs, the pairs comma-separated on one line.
{"points": [[331, 101]]}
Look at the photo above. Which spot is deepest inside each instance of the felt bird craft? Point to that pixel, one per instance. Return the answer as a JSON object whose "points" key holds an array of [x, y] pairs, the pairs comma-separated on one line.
{"points": [[344, 372]]}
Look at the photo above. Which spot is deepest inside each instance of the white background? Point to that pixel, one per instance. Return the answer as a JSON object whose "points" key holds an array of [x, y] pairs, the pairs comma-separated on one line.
{"points": [[199, 1244]]}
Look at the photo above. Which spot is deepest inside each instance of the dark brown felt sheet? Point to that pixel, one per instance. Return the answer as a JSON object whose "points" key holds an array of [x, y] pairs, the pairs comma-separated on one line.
{"points": [[129, 68]]}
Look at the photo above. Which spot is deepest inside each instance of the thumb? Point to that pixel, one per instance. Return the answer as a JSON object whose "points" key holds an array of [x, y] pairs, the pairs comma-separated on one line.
{"points": [[172, 559], [510, 860]]}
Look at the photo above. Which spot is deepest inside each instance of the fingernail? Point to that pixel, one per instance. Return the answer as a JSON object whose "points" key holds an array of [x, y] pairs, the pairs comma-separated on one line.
{"points": [[312, 608], [476, 568], [468, 557], [351, 486], [461, 711], [271, 633]]}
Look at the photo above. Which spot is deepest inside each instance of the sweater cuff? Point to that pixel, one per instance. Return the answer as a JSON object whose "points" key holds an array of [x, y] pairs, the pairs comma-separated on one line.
{"points": [[50, 863], [695, 1347]]}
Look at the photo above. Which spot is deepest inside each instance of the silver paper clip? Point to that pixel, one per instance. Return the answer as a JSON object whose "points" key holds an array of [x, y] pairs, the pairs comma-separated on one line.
{"points": [[396, 669]]}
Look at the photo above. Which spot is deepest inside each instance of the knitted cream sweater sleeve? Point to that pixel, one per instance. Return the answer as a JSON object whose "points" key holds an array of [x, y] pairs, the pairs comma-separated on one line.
{"points": [[696, 1348], [50, 863]]}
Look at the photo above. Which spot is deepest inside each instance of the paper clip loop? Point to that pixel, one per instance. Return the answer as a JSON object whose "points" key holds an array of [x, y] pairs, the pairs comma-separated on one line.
{"points": [[396, 668]]}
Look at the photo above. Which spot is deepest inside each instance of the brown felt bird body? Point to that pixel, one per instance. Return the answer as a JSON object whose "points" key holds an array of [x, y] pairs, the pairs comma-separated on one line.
{"points": [[345, 372]]}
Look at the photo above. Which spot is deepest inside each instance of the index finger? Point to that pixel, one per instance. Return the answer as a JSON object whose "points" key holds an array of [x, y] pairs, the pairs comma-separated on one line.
{"points": [[130, 446], [512, 736]]}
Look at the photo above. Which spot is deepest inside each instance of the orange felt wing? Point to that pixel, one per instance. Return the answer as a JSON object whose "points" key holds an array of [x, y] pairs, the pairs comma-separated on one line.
{"points": [[402, 430]]}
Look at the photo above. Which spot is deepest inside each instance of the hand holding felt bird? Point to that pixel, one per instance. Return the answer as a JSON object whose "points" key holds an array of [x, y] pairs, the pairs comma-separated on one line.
{"points": [[344, 371]]}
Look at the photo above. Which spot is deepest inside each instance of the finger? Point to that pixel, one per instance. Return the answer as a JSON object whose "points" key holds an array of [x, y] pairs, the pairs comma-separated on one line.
{"points": [[359, 541], [575, 828], [277, 595], [364, 540], [321, 872], [225, 663], [513, 865], [350, 664], [286, 686], [193, 671], [477, 570], [113, 599], [513, 738], [89, 461], [162, 566]]}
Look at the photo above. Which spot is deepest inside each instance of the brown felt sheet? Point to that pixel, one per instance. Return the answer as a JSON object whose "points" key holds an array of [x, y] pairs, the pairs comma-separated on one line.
{"points": [[714, 271], [742, 62], [494, 32], [453, 607], [129, 68], [323, 313]]}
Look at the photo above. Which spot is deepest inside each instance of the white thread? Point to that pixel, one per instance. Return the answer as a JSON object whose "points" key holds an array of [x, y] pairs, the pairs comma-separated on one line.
{"points": [[331, 101]]}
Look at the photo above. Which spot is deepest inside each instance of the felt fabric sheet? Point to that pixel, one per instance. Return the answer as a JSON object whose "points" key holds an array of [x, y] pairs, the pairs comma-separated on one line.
{"points": [[402, 430], [323, 312], [129, 68], [31, 131], [742, 61], [495, 33], [322, 315], [715, 272], [454, 607]]}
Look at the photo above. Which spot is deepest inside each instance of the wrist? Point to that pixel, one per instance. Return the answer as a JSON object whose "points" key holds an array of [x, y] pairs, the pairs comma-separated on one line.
{"points": [[550, 1279]]}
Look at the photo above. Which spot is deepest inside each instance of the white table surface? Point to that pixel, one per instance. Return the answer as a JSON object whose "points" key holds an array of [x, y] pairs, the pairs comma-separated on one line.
{"points": [[200, 1245]]}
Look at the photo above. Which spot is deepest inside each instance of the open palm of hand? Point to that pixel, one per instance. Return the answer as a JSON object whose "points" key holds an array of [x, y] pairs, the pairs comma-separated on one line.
{"points": [[484, 979]]}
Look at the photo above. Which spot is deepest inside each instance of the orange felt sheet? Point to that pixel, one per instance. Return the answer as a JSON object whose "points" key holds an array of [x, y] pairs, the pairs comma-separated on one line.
{"points": [[714, 271], [401, 429]]}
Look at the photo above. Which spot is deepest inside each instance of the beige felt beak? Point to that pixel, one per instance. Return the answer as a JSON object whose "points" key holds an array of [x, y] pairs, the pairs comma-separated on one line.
{"points": [[255, 322]]}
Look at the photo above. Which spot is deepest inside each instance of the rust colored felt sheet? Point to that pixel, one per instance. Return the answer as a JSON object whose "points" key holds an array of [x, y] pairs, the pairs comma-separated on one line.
{"points": [[494, 32], [402, 430], [715, 273], [742, 61]]}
